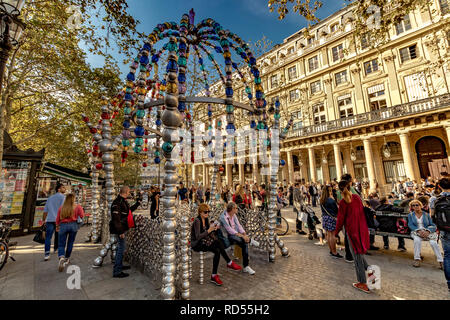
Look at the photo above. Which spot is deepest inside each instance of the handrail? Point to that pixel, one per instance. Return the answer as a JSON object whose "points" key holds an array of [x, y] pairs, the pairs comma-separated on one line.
{"points": [[415, 107]]}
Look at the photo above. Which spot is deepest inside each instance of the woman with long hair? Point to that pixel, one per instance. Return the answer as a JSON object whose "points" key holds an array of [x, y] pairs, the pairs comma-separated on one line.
{"points": [[351, 216], [204, 238], [329, 215], [67, 226], [240, 198]]}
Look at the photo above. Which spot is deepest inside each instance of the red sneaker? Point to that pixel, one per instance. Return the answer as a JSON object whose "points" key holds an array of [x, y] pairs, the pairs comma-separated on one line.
{"points": [[361, 286], [234, 266], [216, 280]]}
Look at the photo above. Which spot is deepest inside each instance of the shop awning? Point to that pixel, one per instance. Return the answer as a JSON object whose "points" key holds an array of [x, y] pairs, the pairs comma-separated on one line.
{"points": [[66, 173]]}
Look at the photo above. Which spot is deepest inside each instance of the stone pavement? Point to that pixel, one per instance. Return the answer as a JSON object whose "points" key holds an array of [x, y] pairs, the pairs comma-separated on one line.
{"points": [[30, 277], [309, 273]]}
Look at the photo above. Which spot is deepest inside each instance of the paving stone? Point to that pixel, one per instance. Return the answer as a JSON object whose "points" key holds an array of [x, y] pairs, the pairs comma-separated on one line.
{"points": [[309, 273]]}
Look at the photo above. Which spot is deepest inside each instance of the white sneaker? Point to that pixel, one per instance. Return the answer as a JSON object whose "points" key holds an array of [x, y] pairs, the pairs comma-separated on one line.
{"points": [[66, 262], [254, 243], [248, 270], [61, 264], [46, 258]]}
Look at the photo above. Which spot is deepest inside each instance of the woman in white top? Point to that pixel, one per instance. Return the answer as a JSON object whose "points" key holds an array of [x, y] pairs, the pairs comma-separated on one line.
{"points": [[422, 229]]}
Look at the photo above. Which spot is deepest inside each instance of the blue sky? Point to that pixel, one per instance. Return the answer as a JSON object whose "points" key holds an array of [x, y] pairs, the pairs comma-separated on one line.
{"points": [[250, 19]]}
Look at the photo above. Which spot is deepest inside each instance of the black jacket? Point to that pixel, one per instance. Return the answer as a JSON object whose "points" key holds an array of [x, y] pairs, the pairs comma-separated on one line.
{"points": [[119, 215], [198, 232], [390, 208], [369, 213]]}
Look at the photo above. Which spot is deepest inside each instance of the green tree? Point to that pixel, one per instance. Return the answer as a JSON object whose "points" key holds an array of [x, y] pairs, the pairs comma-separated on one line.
{"points": [[49, 84]]}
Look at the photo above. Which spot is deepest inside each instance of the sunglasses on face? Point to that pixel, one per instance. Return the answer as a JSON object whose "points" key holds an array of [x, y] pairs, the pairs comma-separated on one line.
{"points": [[415, 205], [206, 212]]}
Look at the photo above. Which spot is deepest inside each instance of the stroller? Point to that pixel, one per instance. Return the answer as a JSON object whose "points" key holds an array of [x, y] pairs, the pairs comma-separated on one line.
{"points": [[313, 222]]}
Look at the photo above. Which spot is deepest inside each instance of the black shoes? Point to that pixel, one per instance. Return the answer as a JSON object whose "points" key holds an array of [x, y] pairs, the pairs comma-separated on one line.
{"points": [[126, 267], [402, 249], [301, 232], [373, 248], [336, 256], [121, 275]]}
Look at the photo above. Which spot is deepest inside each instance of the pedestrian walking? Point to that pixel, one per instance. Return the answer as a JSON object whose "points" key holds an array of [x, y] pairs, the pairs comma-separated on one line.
{"points": [[67, 221], [154, 207], [51, 208], [298, 202], [351, 216], [329, 209]]}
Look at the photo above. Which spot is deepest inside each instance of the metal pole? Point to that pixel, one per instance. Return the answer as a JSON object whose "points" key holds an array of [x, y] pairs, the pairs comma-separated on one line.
{"points": [[171, 118]]}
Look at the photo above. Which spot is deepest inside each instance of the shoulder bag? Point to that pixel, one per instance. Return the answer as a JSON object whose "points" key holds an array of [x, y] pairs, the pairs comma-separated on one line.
{"points": [[130, 220], [327, 213]]}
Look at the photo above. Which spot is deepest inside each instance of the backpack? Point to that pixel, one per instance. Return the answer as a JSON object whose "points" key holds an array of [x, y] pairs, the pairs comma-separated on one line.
{"points": [[442, 213]]}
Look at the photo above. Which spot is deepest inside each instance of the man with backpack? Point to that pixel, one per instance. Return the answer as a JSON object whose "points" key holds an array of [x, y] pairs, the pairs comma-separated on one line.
{"points": [[442, 216]]}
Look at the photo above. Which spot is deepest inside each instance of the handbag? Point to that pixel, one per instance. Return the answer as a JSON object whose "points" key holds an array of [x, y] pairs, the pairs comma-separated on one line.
{"points": [[130, 220], [302, 216], [323, 208], [402, 226], [39, 237], [209, 240]]}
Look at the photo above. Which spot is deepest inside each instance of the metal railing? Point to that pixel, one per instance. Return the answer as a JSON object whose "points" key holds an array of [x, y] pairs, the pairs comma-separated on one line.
{"points": [[416, 107]]}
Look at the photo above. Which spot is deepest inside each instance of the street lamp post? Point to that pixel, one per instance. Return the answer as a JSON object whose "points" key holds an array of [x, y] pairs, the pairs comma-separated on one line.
{"points": [[11, 28]]}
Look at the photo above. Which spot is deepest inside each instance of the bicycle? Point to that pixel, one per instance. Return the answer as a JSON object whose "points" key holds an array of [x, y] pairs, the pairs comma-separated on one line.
{"points": [[282, 225], [5, 232]]}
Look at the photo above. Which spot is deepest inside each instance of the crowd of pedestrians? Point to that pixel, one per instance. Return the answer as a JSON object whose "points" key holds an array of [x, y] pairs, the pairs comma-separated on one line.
{"points": [[423, 213], [348, 212]]}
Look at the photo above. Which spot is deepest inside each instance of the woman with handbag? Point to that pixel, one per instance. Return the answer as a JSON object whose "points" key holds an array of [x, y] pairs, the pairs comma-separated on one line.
{"points": [[67, 223], [329, 215], [422, 229], [204, 238]]}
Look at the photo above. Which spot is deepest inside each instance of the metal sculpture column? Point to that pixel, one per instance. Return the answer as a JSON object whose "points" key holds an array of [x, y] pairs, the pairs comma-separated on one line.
{"points": [[94, 205], [107, 146], [171, 119], [182, 62], [274, 165]]}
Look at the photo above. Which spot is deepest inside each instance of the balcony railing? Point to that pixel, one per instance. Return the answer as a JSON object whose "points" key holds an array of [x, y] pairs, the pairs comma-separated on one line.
{"points": [[416, 107]]}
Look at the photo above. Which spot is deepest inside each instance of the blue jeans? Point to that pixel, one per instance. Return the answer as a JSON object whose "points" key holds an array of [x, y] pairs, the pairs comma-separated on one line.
{"points": [[67, 234], [50, 229], [119, 256], [244, 246], [446, 247]]}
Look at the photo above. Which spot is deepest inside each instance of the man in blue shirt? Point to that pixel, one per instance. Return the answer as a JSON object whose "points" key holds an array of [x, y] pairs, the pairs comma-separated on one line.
{"points": [[50, 213]]}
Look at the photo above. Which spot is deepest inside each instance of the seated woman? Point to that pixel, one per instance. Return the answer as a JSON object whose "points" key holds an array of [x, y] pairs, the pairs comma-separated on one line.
{"points": [[422, 229], [204, 238], [233, 231]]}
